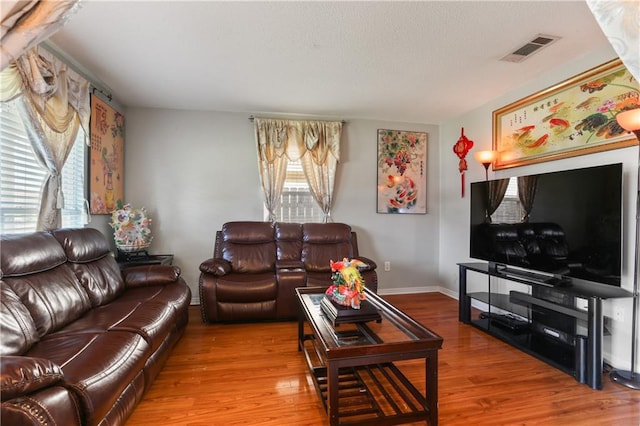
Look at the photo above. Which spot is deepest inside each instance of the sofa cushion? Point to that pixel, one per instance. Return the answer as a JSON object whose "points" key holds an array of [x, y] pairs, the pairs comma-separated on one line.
{"points": [[236, 288], [39, 252], [288, 241], [97, 367], [19, 331], [324, 242], [89, 255], [150, 311], [249, 246], [54, 298]]}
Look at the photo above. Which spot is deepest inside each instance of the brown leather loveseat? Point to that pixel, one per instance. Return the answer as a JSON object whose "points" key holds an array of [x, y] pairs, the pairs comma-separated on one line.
{"points": [[256, 267], [81, 342]]}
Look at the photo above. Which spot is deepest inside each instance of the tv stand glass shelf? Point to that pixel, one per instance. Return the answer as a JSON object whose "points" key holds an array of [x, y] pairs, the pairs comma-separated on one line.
{"points": [[540, 315]]}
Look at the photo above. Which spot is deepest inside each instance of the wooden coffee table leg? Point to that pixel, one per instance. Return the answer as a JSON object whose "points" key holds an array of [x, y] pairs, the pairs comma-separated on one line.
{"points": [[300, 332], [431, 369], [332, 394]]}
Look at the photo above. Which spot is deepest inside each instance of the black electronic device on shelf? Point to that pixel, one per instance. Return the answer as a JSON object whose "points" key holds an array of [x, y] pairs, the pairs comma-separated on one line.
{"points": [[507, 321]]}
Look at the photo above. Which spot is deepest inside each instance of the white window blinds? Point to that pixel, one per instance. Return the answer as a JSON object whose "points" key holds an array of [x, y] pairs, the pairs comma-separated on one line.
{"points": [[21, 178]]}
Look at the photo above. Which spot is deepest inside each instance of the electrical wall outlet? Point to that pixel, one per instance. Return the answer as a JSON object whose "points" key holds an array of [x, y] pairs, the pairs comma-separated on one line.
{"points": [[387, 265]]}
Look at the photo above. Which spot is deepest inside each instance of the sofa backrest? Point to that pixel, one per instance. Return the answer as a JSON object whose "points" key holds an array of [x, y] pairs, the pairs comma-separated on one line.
{"points": [[249, 247], [18, 329], [323, 242], [288, 240], [89, 256], [34, 267]]}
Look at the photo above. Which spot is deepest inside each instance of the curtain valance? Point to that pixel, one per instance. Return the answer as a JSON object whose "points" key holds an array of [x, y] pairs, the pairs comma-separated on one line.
{"points": [[56, 92], [293, 139]]}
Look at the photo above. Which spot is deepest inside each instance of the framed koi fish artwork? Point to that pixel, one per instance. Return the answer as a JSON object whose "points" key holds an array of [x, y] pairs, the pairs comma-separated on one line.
{"points": [[574, 117], [402, 172]]}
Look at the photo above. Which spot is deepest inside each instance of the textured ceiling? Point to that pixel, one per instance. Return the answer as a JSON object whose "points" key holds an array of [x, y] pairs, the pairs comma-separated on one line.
{"points": [[400, 61]]}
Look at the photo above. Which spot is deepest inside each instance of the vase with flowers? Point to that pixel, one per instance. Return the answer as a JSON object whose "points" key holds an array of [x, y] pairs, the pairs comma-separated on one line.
{"points": [[348, 284], [131, 229]]}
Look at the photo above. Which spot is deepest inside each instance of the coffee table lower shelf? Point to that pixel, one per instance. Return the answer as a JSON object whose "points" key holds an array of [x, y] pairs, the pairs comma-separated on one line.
{"points": [[376, 394]]}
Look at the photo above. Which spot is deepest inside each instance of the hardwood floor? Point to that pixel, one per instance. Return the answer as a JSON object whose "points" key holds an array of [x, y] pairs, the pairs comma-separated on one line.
{"points": [[252, 374]]}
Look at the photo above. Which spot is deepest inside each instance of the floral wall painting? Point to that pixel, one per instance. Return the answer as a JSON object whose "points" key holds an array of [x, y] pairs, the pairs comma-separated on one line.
{"points": [[106, 185], [575, 117], [402, 172]]}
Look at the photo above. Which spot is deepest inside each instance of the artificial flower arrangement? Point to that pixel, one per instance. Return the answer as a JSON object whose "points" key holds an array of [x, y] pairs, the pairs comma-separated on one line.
{"points": [[131, 228], [348, 284]]}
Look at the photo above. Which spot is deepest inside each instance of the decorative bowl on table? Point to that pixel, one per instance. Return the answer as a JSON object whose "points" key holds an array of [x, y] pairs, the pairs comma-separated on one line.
{"points": [[131, 229]]}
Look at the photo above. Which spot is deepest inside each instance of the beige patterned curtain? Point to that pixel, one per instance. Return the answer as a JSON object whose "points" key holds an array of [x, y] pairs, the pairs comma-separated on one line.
{"points": [[620, 22], [53, 101], [315, 143], [27, 23], [320, 160], [272, 138]]}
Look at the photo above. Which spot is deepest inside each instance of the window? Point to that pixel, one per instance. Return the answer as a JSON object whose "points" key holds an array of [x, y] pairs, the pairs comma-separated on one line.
{"points": [[510, 210], [296, 202], [21, 178]]}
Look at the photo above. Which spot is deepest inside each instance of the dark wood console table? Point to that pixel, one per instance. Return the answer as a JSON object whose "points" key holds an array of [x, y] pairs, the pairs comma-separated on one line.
{"points": [[566, 349], [152, 259]]}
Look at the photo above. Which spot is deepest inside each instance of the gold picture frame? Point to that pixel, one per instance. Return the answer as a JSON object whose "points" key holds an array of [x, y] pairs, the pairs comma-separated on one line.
{"points": [[574, 117], [106, 167]]}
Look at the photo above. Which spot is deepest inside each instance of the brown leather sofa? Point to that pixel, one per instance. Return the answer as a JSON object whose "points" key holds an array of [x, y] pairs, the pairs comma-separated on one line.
{"points": [[81, 340], [256, 267]]}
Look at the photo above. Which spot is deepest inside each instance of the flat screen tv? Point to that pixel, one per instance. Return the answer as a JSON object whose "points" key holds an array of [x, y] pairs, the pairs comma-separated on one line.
{"points": [[573, 228]]}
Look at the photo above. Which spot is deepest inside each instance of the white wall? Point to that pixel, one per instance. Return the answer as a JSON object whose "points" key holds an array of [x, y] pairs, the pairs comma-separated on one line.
{"points": [[193, 171], [454, 224]]}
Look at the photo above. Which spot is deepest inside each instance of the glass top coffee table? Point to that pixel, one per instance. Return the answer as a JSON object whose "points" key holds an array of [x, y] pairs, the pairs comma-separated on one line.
{"points": [[353, 364]]}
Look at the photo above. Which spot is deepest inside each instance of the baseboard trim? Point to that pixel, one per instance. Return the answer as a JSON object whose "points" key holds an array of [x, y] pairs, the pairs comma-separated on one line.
{"points": [[415, 290]]}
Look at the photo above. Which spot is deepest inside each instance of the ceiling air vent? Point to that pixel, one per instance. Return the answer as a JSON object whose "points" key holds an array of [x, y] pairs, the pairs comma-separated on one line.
{"points": [[533, 46]]}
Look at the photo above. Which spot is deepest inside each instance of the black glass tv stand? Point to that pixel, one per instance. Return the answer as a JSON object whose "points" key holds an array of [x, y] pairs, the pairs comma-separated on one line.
{"points": [[521, 318]]}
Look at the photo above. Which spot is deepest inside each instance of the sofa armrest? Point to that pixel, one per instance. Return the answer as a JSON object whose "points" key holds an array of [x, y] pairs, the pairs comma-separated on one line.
{"points": [[141, 276], [370, 264], [22, 375], [215, 266]]}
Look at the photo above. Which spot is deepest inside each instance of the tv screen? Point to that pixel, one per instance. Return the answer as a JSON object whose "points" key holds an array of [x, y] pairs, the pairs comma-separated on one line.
{"points": [[564, 224]]}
